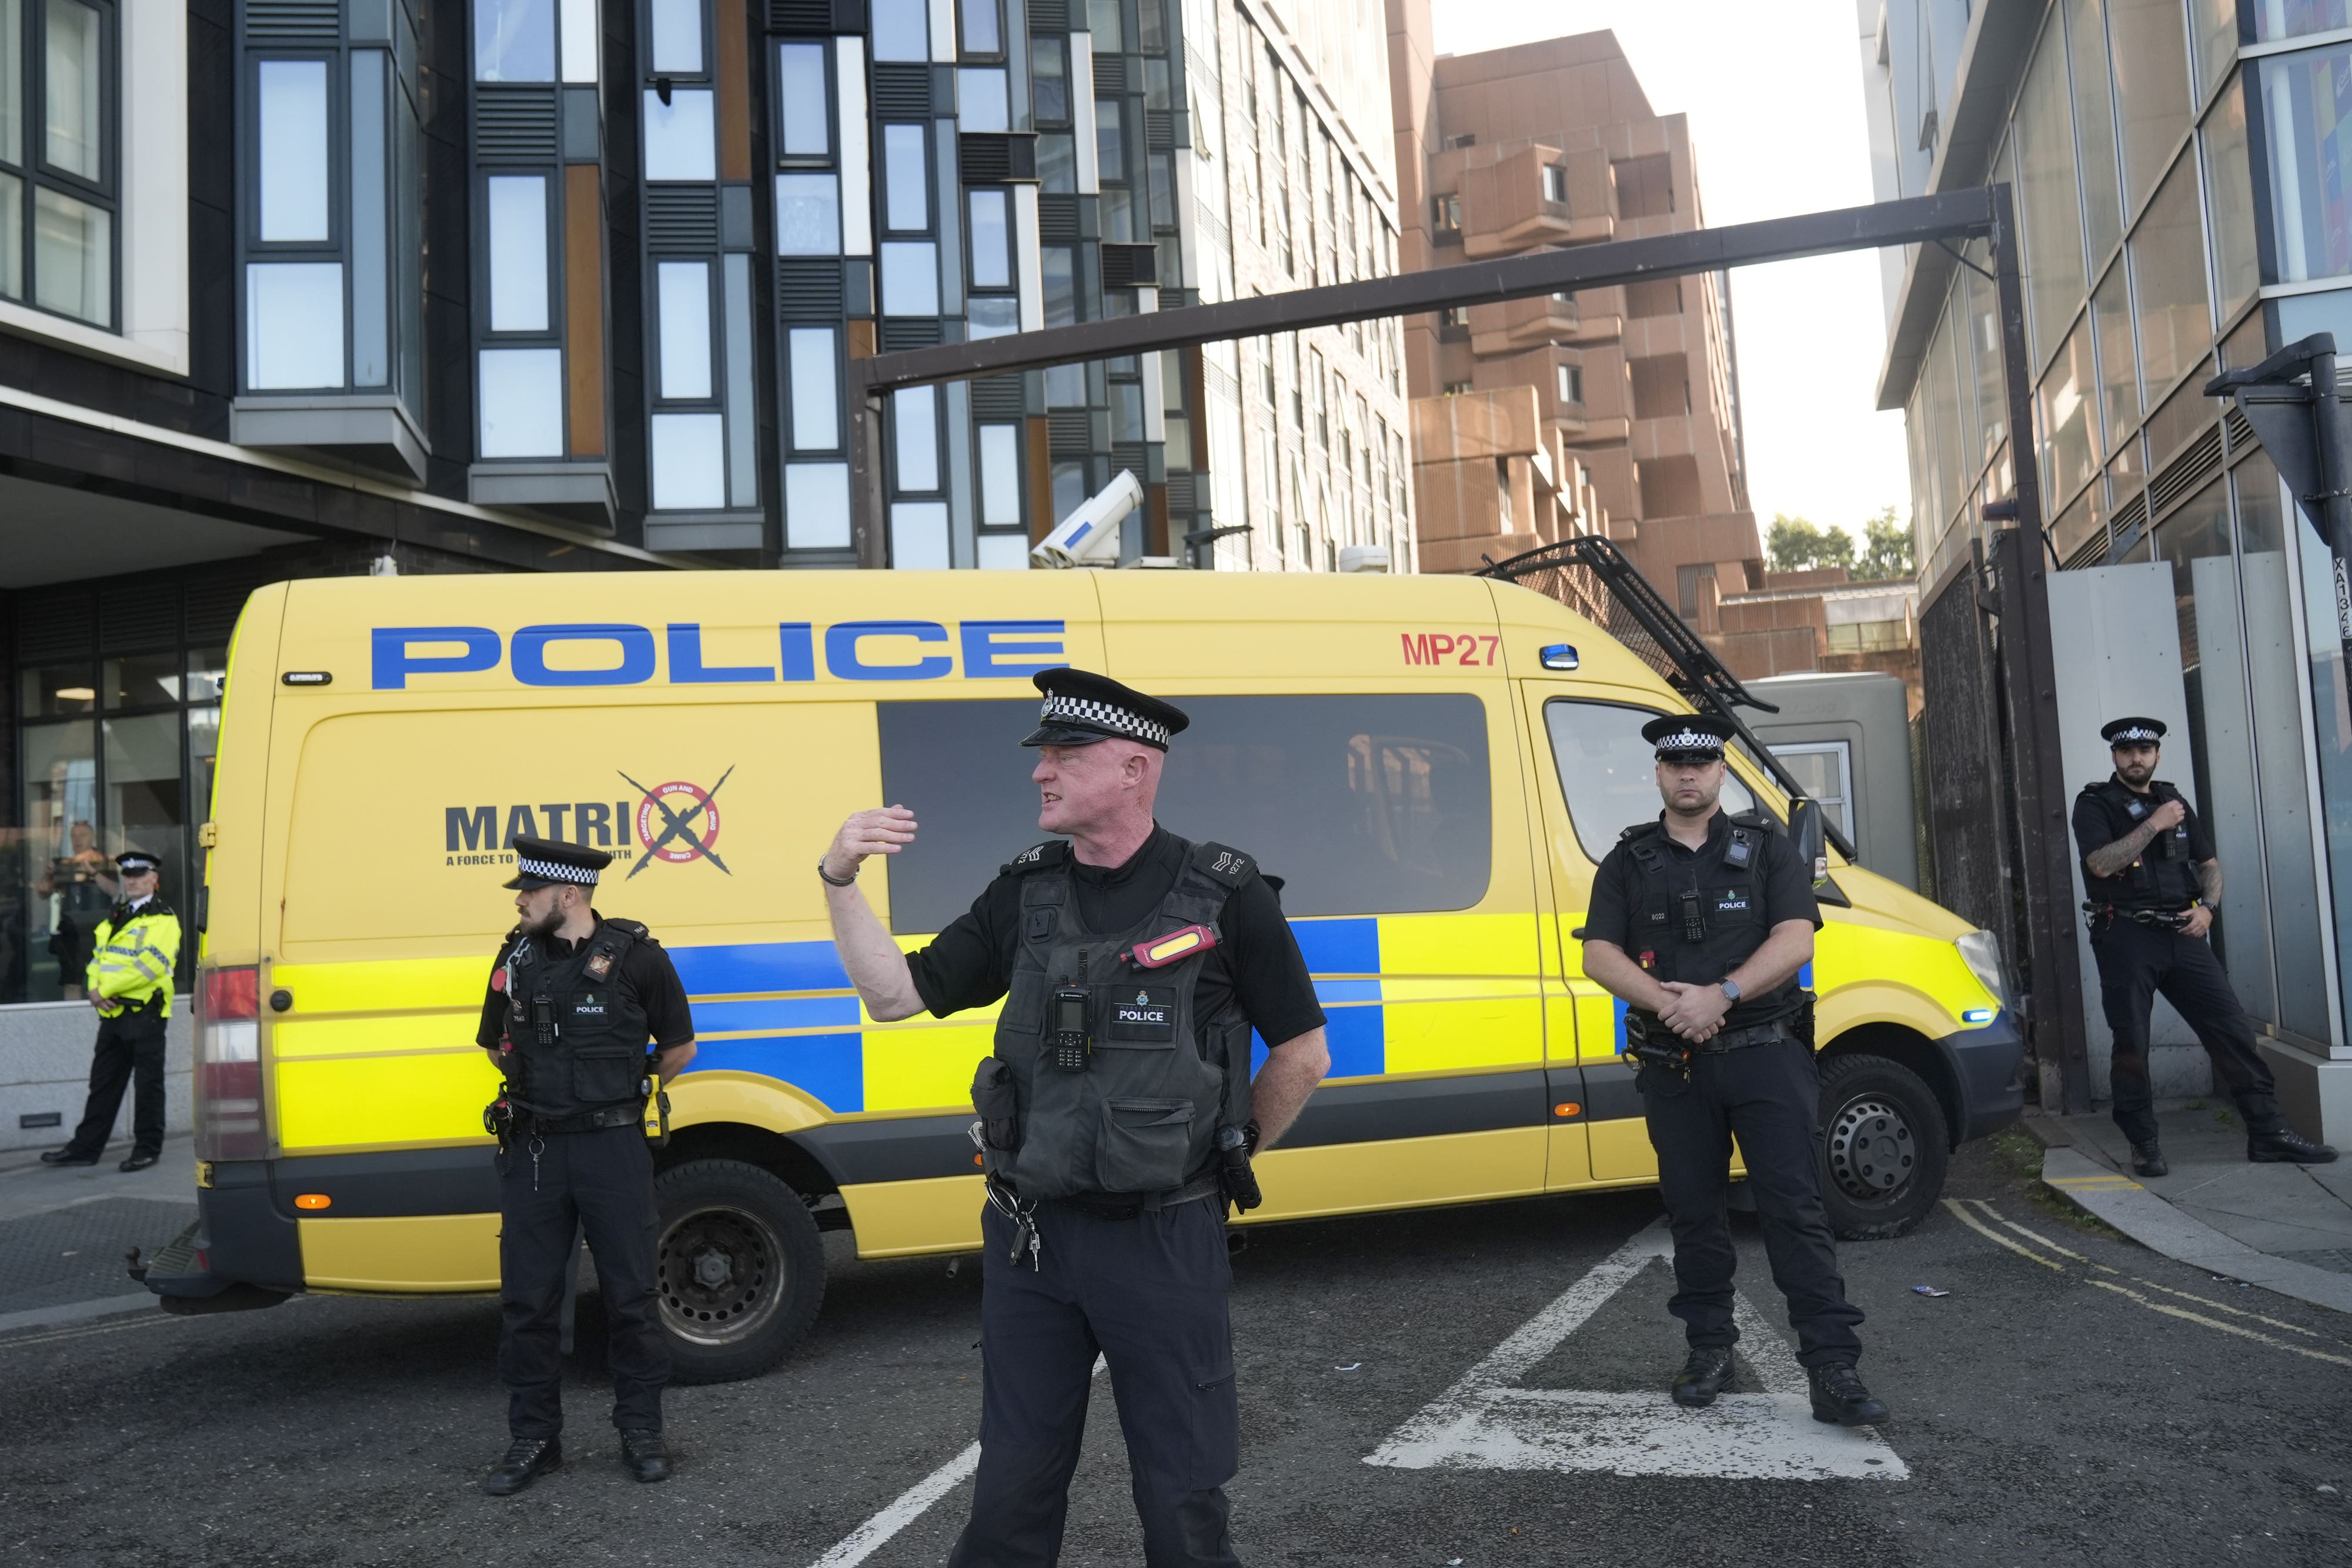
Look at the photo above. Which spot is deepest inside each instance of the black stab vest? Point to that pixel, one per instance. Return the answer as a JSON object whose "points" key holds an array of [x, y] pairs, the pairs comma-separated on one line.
{"points": [[578, 1035], [2164, 877], [1161, 1079], [1697, 920]]}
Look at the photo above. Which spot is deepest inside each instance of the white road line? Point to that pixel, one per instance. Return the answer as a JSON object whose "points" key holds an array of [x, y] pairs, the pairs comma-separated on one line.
{"points": [[1483, 1423], [76, 1312], [86, 1331], [861, 1543]]}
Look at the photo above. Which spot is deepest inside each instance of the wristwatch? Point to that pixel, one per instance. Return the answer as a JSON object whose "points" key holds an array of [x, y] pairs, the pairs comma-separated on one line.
{"points": [[1730, 988]]}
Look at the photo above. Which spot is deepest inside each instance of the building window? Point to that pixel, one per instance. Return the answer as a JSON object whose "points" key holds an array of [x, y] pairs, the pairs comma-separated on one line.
{"points": [[1571, 383], [902, 30], [1449, 214], [330, 234], [805, 121], [1454, 389], [1555, 184], [1049, 80]]}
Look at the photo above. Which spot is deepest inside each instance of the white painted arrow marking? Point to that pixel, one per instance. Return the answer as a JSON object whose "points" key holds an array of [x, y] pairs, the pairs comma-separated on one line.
{"points": [[1484, 1422]]}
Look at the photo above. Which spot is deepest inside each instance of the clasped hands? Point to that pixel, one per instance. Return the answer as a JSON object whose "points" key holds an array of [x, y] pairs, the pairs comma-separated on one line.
{"points": [[1694, 1012]]}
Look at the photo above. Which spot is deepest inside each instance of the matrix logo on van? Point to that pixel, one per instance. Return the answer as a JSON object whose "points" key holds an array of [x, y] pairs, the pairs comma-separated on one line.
{"points": [[607, 653], [675, 821]]}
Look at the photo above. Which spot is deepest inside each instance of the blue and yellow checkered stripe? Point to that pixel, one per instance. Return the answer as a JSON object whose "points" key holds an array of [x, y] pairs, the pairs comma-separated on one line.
{"points": [[383, 1052]]}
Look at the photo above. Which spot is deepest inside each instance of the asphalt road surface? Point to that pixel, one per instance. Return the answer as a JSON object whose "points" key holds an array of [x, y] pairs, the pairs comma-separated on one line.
{"points": [[1482, 1386]]}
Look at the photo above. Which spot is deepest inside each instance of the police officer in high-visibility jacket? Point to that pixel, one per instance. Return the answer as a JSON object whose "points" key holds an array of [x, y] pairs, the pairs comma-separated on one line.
{"points": [[129, 984], [1701, 923]]}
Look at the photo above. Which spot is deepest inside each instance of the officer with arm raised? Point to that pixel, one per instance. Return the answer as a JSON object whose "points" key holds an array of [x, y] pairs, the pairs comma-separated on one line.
{"points": [[2153, 880], [1700, 922], [1135, 965], [573, 1000]]}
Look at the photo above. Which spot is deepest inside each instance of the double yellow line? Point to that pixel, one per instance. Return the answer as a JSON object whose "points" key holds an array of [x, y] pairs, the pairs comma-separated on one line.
{"points": [[2091, 1272]]}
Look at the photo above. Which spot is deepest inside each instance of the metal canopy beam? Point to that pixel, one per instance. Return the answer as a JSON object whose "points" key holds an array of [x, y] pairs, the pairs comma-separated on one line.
{"points": [[1914, 221]]}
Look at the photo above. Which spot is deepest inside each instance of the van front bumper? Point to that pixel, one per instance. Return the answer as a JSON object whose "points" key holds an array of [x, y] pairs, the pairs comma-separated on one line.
{"points": [[1985, 1063]]}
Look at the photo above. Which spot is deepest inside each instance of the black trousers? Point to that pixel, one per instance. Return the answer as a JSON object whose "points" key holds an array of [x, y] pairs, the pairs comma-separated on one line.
{"points": [[1769, 1097], [1148, 1294], [129, 1048], [603, 1182], [2138, 962]]}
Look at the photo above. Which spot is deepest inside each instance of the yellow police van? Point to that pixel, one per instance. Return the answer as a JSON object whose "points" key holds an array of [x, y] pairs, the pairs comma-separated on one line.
{"points": [[1432, 764]]}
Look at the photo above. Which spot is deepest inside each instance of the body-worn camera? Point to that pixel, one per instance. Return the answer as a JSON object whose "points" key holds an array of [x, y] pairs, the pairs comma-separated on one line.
{"points": [[1065, 1047]]}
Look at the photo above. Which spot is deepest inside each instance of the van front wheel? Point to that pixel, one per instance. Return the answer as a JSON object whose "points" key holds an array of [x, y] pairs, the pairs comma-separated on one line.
{"points": [[1883, 1148], [738, 1269]]}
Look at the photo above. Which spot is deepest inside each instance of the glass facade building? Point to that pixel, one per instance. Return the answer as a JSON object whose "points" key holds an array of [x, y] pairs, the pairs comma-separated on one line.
{"points": [[2175, 165], [293, 288]]}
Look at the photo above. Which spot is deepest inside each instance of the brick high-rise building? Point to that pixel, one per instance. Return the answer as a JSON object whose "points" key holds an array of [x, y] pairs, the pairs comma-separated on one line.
{"points": [[1608, 411]]}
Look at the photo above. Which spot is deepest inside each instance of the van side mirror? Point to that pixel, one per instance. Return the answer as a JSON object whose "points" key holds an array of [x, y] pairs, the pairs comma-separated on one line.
{"points": [[1807, 827]]}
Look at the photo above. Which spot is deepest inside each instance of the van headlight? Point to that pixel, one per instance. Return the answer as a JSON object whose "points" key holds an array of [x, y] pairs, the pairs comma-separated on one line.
{"points": [[1980, 951]]}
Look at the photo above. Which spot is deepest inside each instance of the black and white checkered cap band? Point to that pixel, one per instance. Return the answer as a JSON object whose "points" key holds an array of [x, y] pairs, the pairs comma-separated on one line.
{"points": [[556, 871], [1104, 716], [1689, 740], [2136, 732]]}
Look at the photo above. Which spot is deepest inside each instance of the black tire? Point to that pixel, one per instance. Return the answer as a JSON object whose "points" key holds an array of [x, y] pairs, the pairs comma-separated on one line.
{"points": [[738, 1270], [1885, 1147]]}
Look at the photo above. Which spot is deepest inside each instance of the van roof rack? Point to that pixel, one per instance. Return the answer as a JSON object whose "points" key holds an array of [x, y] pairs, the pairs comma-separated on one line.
{"points": [[1591, 576]]}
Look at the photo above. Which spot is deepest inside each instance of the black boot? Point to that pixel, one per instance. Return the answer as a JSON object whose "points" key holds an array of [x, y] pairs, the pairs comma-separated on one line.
{"points": [[139, 1161], [644, 1455], [527, 1459], [1703, 1375], [2147, 1160], [1840, 1398], [2283, 1145], [66, 1156]]}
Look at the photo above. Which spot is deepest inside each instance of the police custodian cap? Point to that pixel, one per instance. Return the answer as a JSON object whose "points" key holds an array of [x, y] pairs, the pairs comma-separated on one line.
{"points": [[2132, 731], [550, 862], [1688, 732], [1082, 707]]}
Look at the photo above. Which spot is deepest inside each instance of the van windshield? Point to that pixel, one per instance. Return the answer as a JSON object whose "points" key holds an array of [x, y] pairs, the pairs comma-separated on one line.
{"points": [[1362, 804], [1609, 773]]}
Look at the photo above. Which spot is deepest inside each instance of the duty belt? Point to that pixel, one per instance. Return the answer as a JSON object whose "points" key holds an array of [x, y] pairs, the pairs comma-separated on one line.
{"points": [[1738, 1038], [2155, 919], [590, 1122]]}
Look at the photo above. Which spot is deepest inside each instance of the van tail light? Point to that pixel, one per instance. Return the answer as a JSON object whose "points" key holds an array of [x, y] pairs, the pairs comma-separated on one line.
{"points": [[230, 1120]]}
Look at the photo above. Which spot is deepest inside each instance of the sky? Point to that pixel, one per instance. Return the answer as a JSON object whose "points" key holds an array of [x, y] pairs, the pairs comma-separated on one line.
{"points": [[1774, 96]]}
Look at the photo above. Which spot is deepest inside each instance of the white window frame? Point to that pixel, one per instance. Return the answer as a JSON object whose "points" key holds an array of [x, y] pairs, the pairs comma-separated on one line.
{"points": [[152, 219], [1844, 751]]}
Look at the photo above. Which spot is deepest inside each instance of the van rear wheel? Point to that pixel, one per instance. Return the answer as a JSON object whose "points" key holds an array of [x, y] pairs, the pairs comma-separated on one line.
{"points": [[1884, 1145], [738, 1269]]}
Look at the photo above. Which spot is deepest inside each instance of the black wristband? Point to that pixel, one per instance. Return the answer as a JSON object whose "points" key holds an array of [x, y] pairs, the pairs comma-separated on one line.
{"points": [[831, 880]]}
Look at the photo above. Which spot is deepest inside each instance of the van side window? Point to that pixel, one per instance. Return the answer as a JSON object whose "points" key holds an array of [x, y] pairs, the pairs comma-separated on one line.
{"points": [[1362, 805], [1609, 773]]}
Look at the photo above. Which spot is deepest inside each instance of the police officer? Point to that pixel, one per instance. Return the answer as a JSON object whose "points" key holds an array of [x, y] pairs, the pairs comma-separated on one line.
{"points": [[572, 1000], [129, 981], [1700, 922], [1137, 964], [2153, 881]]}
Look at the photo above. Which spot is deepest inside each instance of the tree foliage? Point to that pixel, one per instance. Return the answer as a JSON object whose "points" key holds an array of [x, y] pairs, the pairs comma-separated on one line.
{"points": [[1887, 549], [1795, 544]]}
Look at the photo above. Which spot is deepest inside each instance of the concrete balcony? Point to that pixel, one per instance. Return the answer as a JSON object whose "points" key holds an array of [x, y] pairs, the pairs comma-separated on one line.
{"points": [[1515, 203], [1516, 324]]}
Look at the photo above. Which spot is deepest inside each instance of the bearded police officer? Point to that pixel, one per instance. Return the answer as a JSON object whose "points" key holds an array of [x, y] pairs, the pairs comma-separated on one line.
{"points": [[573, 1001], [136, 948], [2153, 881], [1137, 966], [1700, 922]]}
